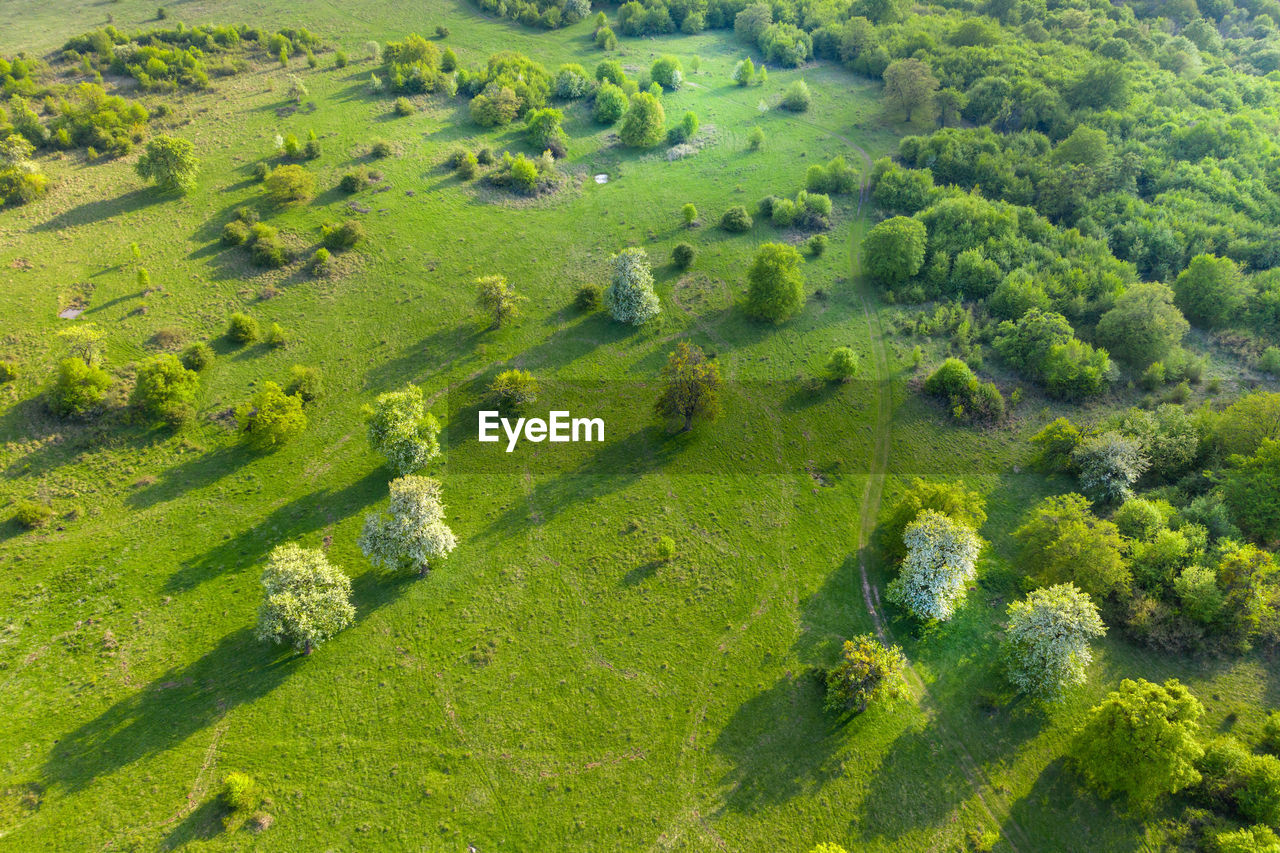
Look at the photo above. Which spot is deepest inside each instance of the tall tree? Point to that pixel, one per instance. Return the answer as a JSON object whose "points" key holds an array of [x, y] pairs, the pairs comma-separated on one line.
{"points": [[691, 386], [1211, 291], [775, 284], [894, 250], [1144, 326], [1141, 741], [1047, 640], [941, 560], [909, 85], [412, 533], [308, 599], [171, 162]]}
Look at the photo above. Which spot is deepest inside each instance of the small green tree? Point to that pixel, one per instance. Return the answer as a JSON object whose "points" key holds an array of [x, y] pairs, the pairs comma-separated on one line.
{"points": [[513, 388], [171, 162], [1046, 647], [242, 328], [76, 388], [1062, 541], [909, 85], [412, 533], [1253, 491], [667, 73], [691, 386], [290, 184], [271, 418], [868, 672], [894, 250], [1109, 464], [1141, 741], [642, 126], [308, 599], [755, 139], [950, 499], [744, 72], [402, 430], [497, 297], [164, 388], [611, 103], [775, 284], [842, 364], [1211, 291], [798, 98], [1054, 445], [690, 214]]}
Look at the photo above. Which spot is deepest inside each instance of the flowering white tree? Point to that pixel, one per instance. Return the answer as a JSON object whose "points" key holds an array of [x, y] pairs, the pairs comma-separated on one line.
{"points": [[1046, 648], [630, 298], [413, 532], [1109, 465], [308, 598], [402, 430], [940, 562]]}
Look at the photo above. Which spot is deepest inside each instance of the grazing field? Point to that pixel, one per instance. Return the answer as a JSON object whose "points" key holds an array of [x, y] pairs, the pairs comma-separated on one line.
{"points": [[554, 684]]}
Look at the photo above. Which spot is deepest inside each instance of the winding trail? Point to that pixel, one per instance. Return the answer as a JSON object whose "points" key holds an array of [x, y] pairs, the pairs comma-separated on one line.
{"points": [[993, 806]]}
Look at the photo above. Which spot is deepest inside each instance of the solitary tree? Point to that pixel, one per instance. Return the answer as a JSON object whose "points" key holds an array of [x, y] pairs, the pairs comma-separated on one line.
{"points": [[894, 250], [308, 599], [842, 364], [401, 429], [1144, 326], [941, 558], [691, 386], [412, 533], [642, 126], [1141, 741], [1047, 642], [868, 671], [775, 284], [271, 418], [497, 297], [909, 84], [164, 388], [630, 297], [690, 214], [170, 162]]}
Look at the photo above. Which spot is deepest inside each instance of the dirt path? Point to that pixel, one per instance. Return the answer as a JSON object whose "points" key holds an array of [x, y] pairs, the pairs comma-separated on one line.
{"points": [[872, 494]]}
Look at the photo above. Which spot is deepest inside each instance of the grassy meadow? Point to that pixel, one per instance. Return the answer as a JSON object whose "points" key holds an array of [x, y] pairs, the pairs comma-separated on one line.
{"points": [[551, 685]]}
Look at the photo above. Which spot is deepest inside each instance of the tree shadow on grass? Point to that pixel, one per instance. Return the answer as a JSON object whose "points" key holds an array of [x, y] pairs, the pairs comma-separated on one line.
{"points": [[288, 523], [96, 211], [1062, 816], [192, 475], [183, 701], [203, 824], [445, 349], [782, 744]]}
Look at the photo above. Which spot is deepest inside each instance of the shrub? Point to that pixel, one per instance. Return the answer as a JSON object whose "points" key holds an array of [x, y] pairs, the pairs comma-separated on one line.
{"points": [[321, 263], [32, 514], [1269, 362], [164, 388], [468, 167], [690, 214], [354, 181], [266, 248], [755, 139], [404, 107], [8, 371], [642, 125], [589, 297], [340, 59], [276, 336], [381, 149], [311, 150], [665, 551], [271, 418], [242, 329], [512, 389], [288, 184], [798, 98], [197, 357], [611, 103], [261, 171], [234, 233], [76, 387], [667, 72], [343, 235], [868, 671], [305, 383], [682, 255], [842, 364], [775, 284], [736, 220]]}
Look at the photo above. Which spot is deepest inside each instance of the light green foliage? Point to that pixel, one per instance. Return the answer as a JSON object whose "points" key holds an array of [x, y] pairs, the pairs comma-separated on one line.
{"points": [[290, 184], [755, 138], [941, 560], [171, 162], [611, 103], [1253, 491], [642, 127], [1249, 421], [1141, 741], [1054, 445], [497, 297], [842, 364], [32, 514], [798, 98], [950, 499], [271, 419], [240, 797], [84, 341], [690, 386], [690, 214], [1252, 839], [894, 251], [401, 429], [744, 72], [667, 72], [242, 328], [513, 388], [1046, 647], [1062, 541], [909, 85], [76, 388], [308, 600], [412, 533], [775, 284], [1211, 291], [665, 550], [164, 387], [305, 383], [630, 297], [542, 128]]}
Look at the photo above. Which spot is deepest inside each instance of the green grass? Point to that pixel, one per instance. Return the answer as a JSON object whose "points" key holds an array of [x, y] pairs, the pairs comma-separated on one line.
{"points": [[551, 686]]}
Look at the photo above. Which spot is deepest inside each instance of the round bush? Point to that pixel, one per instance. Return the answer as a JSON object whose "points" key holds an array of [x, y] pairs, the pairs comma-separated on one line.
{"points": [[234, 233], [242, 328], [404, 107], [354, 181], [197, 357], [31, 514], [380, 149], [342, 236], [736, 220], [682, 255]]}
